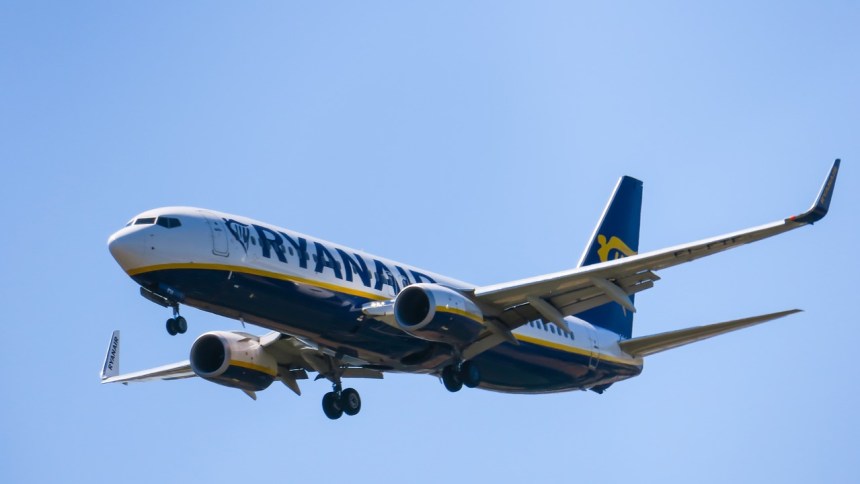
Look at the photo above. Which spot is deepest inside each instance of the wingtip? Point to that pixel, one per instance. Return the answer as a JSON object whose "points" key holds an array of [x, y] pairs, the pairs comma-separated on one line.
{"points": [[821, 205], [780, 314], [110, 368]]}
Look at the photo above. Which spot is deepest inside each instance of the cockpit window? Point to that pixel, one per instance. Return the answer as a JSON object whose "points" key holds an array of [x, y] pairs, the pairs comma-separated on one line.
{"points": [[129, 222], [168, 222], [145, 221]]}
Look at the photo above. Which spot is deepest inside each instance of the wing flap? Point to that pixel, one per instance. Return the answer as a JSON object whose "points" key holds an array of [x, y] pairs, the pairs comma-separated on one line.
{"points": [[648, 345], [584, 305]]}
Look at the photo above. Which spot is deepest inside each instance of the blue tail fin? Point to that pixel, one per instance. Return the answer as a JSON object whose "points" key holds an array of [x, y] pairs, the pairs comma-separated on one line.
{"points": [[616, 236]]}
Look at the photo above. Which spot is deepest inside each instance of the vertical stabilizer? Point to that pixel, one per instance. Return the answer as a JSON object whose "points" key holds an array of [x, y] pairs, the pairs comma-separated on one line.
{"points": [[616, 235]]}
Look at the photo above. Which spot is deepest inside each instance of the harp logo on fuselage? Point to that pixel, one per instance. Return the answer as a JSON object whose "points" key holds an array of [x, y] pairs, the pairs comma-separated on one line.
{"points": [[240, 231]]}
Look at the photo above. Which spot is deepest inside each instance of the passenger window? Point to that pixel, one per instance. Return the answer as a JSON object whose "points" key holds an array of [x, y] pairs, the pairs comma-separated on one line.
{"points": [[145, 221]]}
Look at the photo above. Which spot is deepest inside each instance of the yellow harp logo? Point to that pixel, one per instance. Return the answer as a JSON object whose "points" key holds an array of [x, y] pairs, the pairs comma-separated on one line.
{"points": [[614, 248]]}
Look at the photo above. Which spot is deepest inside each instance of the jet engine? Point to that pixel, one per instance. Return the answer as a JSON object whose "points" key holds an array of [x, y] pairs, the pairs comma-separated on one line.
{"points": [[436, 313], [236, 360]]}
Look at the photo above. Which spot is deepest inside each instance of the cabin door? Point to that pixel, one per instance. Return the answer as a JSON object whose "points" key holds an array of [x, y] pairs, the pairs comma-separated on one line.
{"points": [[219, 235]]}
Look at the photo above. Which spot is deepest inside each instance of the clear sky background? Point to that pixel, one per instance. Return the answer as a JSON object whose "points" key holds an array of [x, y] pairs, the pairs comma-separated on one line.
{"points": [[475, 139]]}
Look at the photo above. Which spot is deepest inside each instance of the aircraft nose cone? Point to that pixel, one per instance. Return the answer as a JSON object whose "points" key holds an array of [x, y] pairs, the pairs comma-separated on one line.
{"points": [[123, 246]]}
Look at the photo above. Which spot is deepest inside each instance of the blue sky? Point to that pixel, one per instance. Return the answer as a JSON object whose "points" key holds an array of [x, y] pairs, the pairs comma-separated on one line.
{"points": [[475, 139]]}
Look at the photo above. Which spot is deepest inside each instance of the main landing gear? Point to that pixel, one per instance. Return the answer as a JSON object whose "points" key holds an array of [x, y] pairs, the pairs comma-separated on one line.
{"points": [[176, 324], [455, 376], [338, 402]]}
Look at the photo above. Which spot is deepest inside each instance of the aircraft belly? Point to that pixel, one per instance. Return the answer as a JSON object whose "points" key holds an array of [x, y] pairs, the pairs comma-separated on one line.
{"points": [[532, 368], [335, 319], [298, 309]]}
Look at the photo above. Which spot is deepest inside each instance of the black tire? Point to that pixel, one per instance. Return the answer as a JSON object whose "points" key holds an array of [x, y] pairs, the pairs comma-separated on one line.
{"points": [[350, 401], [451, 379], [331, 406], [181, 325], [171, 327], [469, 374]]}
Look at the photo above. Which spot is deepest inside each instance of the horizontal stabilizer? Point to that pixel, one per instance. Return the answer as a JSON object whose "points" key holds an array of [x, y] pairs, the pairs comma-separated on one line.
{"points": [[648, 345]]}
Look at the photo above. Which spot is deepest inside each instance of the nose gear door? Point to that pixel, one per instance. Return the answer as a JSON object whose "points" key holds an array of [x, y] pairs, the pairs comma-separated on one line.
{"points": [[219, 235]]}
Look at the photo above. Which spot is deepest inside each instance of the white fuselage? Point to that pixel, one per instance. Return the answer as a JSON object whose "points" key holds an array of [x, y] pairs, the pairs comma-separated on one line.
{"points": [[314, 289]]}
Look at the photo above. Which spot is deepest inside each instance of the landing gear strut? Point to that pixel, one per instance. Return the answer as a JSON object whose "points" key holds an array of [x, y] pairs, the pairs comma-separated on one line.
{"points": [[455, 376], [176, 324], [338, 402]]}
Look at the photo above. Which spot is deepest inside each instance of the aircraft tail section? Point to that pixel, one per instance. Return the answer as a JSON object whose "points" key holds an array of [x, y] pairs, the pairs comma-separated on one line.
{"points": [[615, 236]]}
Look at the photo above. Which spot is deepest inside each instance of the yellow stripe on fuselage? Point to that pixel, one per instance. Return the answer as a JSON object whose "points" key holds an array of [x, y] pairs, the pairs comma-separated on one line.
{"points": [[258, 272], [572, 349]]}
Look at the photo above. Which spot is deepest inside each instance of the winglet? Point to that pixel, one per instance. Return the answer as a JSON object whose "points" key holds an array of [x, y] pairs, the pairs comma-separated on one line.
{"points": [[822, 203], [111, 365]]}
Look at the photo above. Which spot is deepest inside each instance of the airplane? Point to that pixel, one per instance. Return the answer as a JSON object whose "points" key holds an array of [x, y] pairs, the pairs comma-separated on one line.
{"points": [[342, 313]]}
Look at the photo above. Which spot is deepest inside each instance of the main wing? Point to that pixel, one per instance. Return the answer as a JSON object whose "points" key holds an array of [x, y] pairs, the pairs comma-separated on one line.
{"points": [[553, 296], [294, 356]]}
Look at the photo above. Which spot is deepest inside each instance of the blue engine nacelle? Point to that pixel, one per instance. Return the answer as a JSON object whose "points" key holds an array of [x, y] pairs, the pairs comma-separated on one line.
{"points": [[232, 359], [436, 313]]}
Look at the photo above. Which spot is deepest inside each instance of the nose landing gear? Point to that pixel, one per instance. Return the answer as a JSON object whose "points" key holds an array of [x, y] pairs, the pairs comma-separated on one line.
{"points": [[176, 324]]}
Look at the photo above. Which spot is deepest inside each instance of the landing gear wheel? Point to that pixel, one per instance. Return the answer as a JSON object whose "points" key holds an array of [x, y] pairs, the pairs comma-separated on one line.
{"points": [[172, 328], [331, 406], [350, 402], [181, 325], [451, 379], [469, 374]]}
